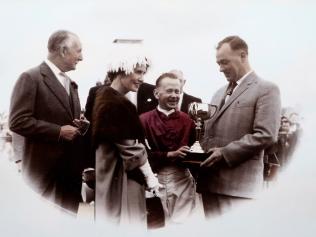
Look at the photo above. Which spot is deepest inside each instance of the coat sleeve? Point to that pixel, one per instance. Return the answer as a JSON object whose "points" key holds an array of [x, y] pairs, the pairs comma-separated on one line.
{"points": [[90, 103], [265, 128], [156, 157], [132, 152], [22, 118]]}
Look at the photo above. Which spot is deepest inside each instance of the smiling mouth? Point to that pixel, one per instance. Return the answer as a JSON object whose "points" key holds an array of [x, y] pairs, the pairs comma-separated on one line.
{"points": [[173, 102]]}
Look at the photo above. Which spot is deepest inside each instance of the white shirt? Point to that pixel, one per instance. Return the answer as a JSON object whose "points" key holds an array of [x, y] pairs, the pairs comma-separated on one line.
{"points": [[164, 111], [242, 79], [59, 75], [238, 83]]}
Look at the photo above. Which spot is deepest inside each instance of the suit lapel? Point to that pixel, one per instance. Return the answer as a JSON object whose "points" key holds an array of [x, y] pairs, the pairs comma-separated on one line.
{"points": [[239, 91], [73, 89], [56, 88]]}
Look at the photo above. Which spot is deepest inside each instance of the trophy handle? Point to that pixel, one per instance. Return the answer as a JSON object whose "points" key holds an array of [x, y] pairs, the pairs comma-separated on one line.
{"points": [[212, 110]]}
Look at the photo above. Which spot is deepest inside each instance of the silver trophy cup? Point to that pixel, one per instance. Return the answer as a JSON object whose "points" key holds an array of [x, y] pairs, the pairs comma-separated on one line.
{"points": [[200, 112]]}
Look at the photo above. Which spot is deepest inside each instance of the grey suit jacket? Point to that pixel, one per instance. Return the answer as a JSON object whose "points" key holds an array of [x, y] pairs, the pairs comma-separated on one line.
{"points": [[39, 107], [246, 124]]}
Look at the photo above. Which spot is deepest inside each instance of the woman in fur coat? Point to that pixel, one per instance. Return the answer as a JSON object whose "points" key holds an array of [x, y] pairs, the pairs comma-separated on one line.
{"points": [[122, 168]]}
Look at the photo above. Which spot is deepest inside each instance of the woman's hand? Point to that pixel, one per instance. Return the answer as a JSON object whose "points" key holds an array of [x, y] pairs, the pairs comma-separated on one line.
{"points": [[153, 185]]}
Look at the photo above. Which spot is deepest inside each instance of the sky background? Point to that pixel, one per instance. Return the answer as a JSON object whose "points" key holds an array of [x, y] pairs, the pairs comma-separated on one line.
{"points": [[179, 35]]}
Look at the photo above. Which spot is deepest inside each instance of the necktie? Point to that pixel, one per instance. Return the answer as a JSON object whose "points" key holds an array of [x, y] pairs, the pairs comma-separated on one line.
{"points": [[231, 88], [66, 81], [228, 93]]}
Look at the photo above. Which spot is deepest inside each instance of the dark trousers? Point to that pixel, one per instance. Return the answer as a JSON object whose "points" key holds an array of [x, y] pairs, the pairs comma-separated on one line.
{"points": [[155, 214]]}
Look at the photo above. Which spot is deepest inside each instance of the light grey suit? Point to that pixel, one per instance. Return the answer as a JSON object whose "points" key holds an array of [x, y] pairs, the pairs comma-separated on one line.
{"points": [[246, 124]]}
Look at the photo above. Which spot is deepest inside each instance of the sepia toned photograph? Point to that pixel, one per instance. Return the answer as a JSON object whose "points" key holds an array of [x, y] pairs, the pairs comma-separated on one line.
{"points": [[157, 118]]}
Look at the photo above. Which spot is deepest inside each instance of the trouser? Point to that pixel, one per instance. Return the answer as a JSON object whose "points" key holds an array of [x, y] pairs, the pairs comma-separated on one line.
{"points": [[178, 195]]}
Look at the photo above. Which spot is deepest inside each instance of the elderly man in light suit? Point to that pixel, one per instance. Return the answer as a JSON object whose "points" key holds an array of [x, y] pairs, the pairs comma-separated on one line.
{"points": [[247, 121], [45, 110]]}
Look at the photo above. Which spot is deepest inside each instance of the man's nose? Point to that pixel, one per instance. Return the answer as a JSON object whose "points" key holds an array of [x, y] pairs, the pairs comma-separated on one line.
{"points": [[175, 94], [80, 58]]}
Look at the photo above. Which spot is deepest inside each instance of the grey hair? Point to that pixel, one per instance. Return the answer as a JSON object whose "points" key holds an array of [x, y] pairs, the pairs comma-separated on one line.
{"points": [[59, 39]]}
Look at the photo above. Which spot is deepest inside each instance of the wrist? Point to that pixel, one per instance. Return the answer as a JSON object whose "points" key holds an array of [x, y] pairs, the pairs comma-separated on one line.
{"points": [[152, 181], [146, 170]]}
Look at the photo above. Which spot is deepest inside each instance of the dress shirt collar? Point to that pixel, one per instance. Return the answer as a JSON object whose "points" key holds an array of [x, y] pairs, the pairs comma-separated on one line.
{"points": [[56, 71], [164, 111], [53, 67], [238, 83], [243, 78]]}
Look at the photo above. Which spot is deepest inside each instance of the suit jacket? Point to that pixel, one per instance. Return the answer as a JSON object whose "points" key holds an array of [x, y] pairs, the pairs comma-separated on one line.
{"points": [[90, 102], [39, 107], [146, 100], [246, 124], [90, 149], [186, 100]]}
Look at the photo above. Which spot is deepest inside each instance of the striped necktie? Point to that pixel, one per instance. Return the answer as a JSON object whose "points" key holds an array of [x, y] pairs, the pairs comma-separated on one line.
{"points": [[231, 88], [228, 93]]}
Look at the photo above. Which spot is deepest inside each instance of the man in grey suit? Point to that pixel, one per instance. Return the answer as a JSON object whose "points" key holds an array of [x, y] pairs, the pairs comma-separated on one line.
{"points": [[45, 110], [247, 121]]}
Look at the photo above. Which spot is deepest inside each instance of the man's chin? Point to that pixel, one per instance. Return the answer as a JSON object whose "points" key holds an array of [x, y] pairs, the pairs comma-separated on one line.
{"points": [[71, 69]]}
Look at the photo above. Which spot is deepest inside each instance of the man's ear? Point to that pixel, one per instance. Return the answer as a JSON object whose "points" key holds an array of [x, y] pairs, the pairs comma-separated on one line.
{"points": [[156, 93], [243, 55], [63, 51]]}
